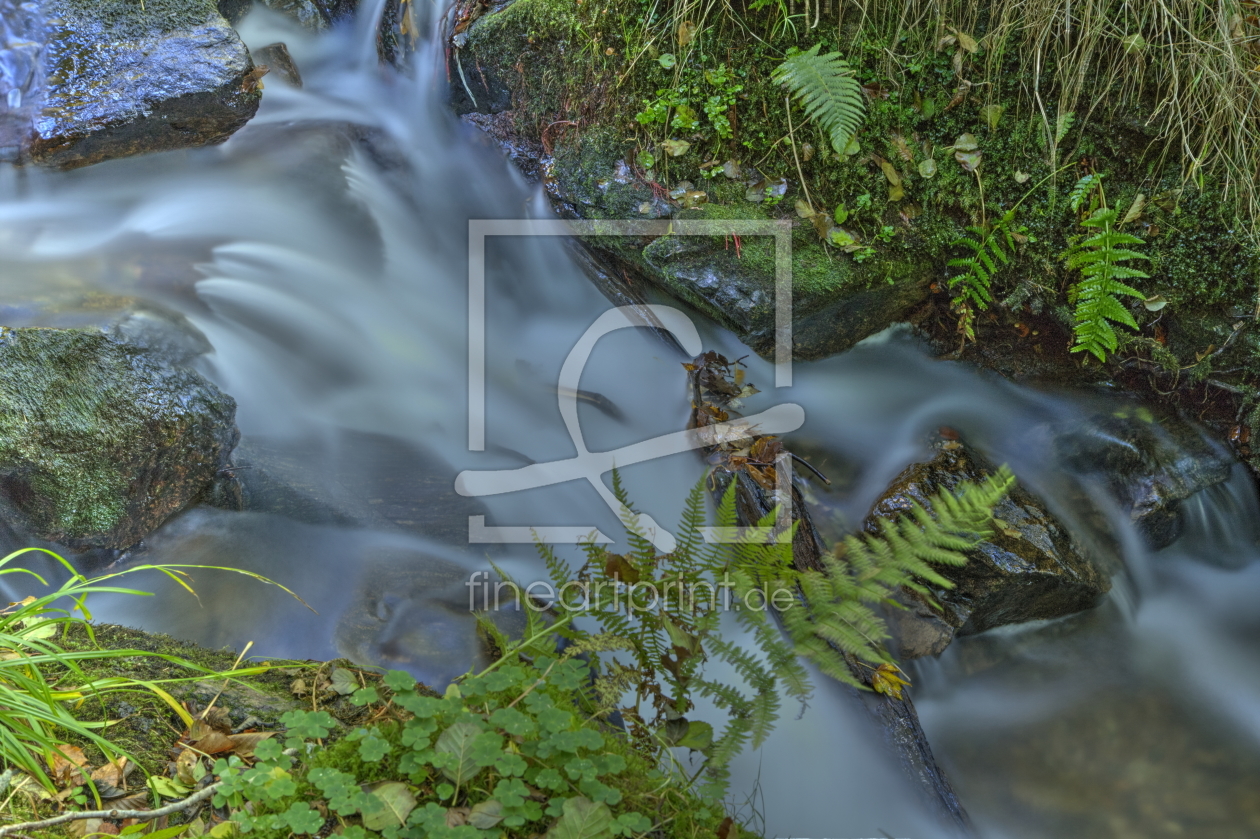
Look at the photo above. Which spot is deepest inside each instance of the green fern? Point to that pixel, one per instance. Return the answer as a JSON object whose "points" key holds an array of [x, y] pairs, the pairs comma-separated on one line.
{"points": [[825, 86], [827, 616], [837, 616], [1083, 189], [1099, 258], [987, 256]]}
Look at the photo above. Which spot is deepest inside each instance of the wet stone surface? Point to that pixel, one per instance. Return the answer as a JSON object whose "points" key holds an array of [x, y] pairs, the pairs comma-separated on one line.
{"points": [[113, 79], [1030, 568]]}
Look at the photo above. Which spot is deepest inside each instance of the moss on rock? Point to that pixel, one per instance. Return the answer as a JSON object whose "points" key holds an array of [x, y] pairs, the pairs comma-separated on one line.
{"points": [[101, 442]]}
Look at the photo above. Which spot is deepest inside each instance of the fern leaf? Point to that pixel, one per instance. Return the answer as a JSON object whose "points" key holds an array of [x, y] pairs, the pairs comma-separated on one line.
{"points": [[1100, 260], [1081, 191], [825, 86]]}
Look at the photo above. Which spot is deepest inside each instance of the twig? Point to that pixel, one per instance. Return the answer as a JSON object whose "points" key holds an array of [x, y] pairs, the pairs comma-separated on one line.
{"points": [[139, 815], [787, 103]]}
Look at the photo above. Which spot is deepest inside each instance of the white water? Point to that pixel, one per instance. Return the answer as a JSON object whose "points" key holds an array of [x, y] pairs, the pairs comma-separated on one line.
{"points": [[331, 280]]}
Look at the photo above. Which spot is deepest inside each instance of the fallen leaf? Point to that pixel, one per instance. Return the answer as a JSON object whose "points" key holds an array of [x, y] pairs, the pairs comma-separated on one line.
{"points": [[732, 170], [91, 827], [966, 142], [212, 742], [168, 787], [887, 679], [1021, 177], [970, 161], [619, 567], [1133, 43], [582, 819], [852, 148], [727, 829], [676, 148], [803, 210], [686, 33], [927, 168], [243, 744], [457, 816], [807, 152], [184, 766], [899, 143], [388, 805], [1154, 304], [343, 681], [667, 60], [66, 763], [1135, 209], [486, 815]]}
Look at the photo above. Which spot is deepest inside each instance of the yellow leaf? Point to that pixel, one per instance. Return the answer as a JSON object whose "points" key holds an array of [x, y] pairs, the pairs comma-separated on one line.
{"points": [[686, 33], [887, 679]]}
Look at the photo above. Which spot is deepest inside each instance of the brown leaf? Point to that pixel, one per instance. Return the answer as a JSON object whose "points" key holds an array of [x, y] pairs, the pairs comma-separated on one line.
{"points": [[243, 744], [619, 567], [135, 801], [965, 41], [212, 743], [686, 33], [903, 149], [218, 719], [184, 766], [457, 816], [66, 761], [727, 829], [113, 773]]}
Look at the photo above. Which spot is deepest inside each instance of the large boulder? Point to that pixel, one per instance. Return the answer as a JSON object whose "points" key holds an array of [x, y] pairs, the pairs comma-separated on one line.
{"points": [[1029, 568], [101, 79], [102, 441]]}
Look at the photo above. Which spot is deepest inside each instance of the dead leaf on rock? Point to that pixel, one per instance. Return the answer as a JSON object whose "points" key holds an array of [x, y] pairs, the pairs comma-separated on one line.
{"points": [[888, 680]]}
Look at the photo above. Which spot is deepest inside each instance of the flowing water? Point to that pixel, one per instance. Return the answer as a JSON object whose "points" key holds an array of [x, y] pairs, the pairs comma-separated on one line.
{"points": [[324, 254]]}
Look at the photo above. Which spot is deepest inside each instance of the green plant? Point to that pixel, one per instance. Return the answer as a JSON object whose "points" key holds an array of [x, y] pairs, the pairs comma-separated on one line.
{"points": [[987, 255], [837, 617], [1099, 258], [36, 713], [509, 751], [827, 89], [665, 611]]}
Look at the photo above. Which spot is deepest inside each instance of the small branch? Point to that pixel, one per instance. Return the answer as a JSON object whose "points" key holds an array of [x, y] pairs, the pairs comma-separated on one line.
{"points": [[139, 815]]}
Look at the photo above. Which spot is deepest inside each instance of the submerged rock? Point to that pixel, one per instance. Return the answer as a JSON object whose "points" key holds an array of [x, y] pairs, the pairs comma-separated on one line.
{"points": [[1149, 464], [115, 78], [101, 441], [1030, 568]]}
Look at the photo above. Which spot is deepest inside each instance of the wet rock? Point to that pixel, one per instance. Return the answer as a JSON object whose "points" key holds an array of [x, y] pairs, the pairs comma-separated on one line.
{"points": [[1150, 464], [117, 79], [1030, 568], [100, 441], [277, 59], [833, 307], [320, 15]]}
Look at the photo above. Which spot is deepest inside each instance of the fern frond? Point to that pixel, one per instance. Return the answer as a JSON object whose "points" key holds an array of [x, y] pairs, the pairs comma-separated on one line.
{"points": [[987, 256], [1081, 191], [1100, 260], [825, 86]]}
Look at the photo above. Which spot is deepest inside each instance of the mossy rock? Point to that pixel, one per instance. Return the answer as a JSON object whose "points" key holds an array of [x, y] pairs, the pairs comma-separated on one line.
{"points": [[100, 442]]}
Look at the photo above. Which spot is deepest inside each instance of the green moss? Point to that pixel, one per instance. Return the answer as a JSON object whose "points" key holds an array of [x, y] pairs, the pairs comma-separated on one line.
{"points": [[129, 19]]}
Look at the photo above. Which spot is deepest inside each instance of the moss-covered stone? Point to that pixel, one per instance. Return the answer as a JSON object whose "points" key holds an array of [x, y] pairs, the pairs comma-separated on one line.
{"points": [[101, 442]]}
